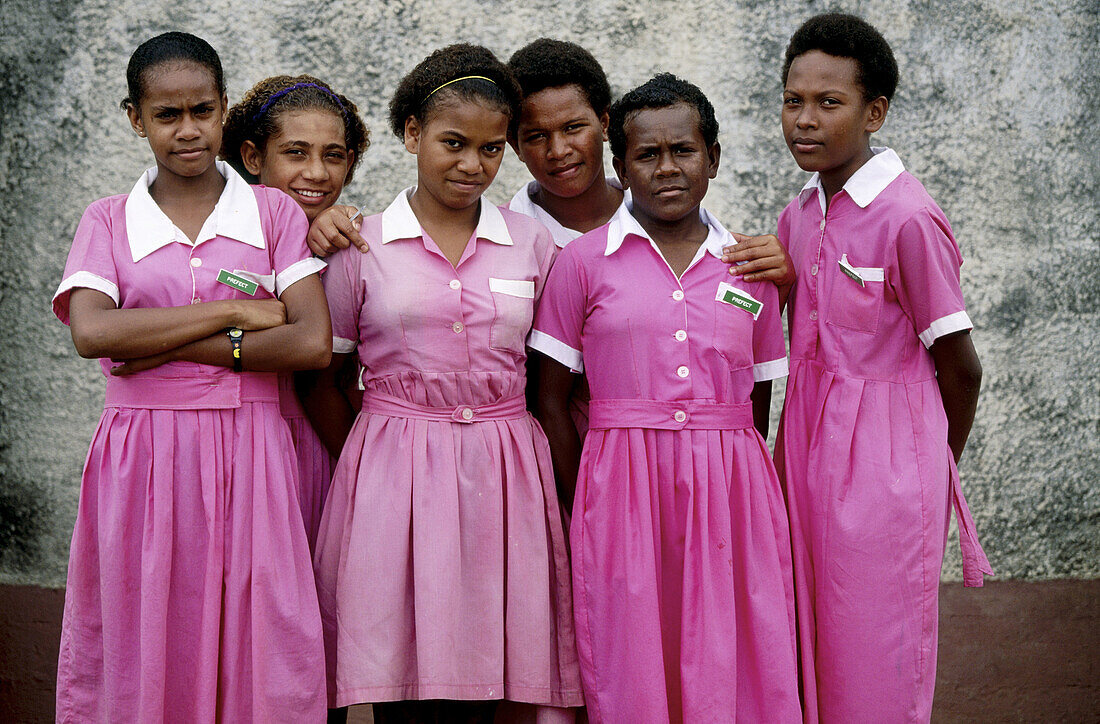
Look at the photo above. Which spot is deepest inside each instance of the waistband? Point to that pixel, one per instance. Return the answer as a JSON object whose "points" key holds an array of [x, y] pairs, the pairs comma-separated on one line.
{"points": [[669, 414], [974, 560], [207, 392], [289, 405], [379, 403]]}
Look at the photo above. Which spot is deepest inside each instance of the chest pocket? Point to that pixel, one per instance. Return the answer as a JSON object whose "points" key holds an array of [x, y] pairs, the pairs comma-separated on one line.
{"points": [[735, 312], [513, 312], [854, 306]]}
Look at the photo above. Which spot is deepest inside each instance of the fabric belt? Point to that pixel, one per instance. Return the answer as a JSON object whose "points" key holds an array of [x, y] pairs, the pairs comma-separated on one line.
{"points": [[379, 403], [669, 414], [974, 560], [191, 392]]}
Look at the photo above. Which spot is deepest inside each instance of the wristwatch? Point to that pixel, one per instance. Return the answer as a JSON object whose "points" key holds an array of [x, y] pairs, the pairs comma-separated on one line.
{"points": [[235, 336]]}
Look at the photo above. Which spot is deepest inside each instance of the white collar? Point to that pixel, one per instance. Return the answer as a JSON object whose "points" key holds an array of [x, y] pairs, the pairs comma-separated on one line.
{"points": [[399, 222], [623, 224], [865, 184], [236, 216], [524, 203]]}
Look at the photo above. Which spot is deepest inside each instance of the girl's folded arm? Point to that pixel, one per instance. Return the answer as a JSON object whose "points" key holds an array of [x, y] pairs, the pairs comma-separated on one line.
{"points": [[100, 329]]}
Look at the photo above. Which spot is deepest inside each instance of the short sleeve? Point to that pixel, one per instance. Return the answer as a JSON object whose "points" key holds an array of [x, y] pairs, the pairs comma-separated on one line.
{"points": [[91, 262], [291, 260], [769, 351], [783, 228], [559, 319], [926, 277], [344, 291], [547, 252]]}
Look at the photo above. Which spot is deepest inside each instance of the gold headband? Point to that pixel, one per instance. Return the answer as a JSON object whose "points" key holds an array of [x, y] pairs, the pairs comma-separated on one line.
{"points": [[465, 77]]}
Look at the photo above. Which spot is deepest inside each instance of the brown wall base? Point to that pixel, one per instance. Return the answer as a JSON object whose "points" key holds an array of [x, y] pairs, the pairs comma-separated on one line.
{"points": [[1009, 652]]}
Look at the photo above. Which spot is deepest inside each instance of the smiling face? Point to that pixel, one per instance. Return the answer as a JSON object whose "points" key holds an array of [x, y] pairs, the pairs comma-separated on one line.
{"points": [[667, 164], [308, 159], [458, 150], [827, 123], [181, 113], [560, 138]]}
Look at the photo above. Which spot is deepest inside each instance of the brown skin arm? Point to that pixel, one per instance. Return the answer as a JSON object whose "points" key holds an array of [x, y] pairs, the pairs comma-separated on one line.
{"points": [[326, 405], [336, 228], [765, 259], [959, 375], [761, 397], [555, 385], [303, 343], [100, 329]]}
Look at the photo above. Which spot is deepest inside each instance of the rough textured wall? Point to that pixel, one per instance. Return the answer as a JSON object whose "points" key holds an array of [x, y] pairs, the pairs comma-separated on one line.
{"points": [[996, 113]]}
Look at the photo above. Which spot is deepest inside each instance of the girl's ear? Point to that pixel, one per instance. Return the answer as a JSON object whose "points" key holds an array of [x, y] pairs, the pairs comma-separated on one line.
{"points": [[876, 114], [252, 158], [714, 153], [134, 115], [351, 162], [225, 107], [605, 121], [620, 168], [412, 134]]}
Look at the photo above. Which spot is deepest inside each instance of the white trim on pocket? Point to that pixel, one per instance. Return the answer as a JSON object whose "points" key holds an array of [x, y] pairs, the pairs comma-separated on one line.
{"points": [[267, 281], [870, 273], [524, 288]]}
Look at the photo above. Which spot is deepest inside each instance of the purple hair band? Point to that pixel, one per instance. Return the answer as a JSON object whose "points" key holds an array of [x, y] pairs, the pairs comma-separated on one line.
{"points": [[276, 96]]}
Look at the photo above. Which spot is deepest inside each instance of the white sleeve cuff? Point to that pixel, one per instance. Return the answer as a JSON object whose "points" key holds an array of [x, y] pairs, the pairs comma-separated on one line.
{"points": [[764, 371], [556, 350], [90, 281], [945, 325], [340, 345], [295, 272]]}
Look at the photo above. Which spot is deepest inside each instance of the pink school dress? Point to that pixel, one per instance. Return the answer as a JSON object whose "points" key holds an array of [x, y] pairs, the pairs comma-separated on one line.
{"points": [[190, 595], [315, 464], [863, 447], [681, 557], [441, 563]]}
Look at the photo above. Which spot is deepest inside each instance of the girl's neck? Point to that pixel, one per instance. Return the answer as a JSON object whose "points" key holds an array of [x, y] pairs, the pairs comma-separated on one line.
{"points": [[586, 211], [449, 228], [678, 240], [174, 190], [834, 179]]}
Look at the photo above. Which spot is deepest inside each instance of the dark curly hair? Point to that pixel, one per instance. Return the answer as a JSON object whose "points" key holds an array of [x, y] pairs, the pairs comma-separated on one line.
{"points": [[660, 91], [165, 48], [547, 63], [257, 116], [846, 36], [443, 76]]}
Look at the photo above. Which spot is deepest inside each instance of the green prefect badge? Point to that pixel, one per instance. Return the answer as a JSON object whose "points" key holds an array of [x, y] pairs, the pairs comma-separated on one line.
{"points": [[230, 279], [730, 294]]}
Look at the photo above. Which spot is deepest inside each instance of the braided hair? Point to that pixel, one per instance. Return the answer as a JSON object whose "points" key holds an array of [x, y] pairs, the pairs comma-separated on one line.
{"points": [[256, 117]]}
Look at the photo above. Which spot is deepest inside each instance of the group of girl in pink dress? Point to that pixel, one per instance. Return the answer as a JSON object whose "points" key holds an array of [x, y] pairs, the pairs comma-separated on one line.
{"points": [[316, 485]]}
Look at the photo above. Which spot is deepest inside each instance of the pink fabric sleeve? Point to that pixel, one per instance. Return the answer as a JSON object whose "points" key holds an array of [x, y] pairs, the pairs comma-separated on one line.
{"points": [[769, 351], [926, 277], [559, 319], [344, 290], [547, 251], [783, 228], [291, 259], [91, 262]]}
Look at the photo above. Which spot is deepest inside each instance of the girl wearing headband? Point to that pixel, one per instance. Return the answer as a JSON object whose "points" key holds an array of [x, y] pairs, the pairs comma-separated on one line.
{"points": [[298, 135], [441, 561]]}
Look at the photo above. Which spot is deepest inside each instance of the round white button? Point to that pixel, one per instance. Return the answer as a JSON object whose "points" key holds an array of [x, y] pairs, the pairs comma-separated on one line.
{"points": [[682, 371], [680, 416], [813, 314], [813, 270], [680, 335], [455, 284], [196, 300], [467, 414], [457, 327], [196, 262], [678, 295]]}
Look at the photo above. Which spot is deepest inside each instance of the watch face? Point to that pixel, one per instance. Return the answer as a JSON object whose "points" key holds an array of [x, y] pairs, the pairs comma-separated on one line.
{"points": [[235, 333]]}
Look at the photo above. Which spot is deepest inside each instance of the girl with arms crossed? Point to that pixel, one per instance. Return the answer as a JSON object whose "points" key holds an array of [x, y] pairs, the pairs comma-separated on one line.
{"points": [[190, 592]]}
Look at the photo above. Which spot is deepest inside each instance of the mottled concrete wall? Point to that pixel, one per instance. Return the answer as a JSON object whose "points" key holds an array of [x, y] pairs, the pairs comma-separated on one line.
{"points": [[997, 114]]}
